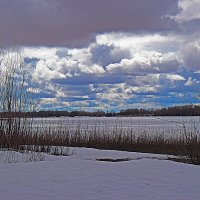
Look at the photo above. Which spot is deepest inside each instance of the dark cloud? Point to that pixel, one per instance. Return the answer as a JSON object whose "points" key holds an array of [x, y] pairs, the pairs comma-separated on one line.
{"points": [[105, 55], [190, 55], [190, 26], [65, 22]]}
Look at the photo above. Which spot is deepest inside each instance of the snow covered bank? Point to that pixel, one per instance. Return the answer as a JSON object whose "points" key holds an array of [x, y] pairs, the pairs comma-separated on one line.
{"points": [[82, 177]]}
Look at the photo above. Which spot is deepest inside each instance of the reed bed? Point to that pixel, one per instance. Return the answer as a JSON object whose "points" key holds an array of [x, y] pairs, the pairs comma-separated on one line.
{"points": [[24, 135]]}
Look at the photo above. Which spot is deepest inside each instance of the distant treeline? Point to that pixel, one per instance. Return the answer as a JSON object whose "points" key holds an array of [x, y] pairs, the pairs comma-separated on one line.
{"points": [[187, 110]]}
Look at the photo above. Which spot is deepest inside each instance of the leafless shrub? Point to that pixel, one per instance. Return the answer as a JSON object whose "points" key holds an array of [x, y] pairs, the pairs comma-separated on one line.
{"points": [[15, 98], [9, 156]]}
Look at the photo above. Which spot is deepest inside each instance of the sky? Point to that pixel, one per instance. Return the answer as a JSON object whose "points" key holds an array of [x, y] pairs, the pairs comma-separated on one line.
{"points": [[108, 54]]}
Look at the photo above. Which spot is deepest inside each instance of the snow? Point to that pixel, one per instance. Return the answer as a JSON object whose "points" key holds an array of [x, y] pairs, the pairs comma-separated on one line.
{"points": [[82, 177]]}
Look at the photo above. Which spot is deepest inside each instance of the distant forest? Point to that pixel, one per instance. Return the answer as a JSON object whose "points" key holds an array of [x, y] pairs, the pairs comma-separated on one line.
{"points": [[187, 110]]}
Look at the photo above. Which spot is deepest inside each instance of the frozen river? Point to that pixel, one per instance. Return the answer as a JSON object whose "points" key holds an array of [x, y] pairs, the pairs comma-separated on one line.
{"points": [[137, 124]]}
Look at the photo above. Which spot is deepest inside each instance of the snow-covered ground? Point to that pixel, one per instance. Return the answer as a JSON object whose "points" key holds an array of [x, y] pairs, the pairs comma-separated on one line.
{"points": [[82, 177]]}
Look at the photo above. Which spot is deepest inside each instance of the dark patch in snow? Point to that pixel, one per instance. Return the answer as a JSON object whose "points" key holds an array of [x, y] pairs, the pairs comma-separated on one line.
{"points": [[113, 160], [127, 159]]}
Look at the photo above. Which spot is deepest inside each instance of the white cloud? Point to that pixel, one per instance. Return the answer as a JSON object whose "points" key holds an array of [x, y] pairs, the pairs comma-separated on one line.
{"points": [[122, 68], [111, 96], [50, 101], [175, 77], [146, 62], [111, 92], [42, 53], [189, 10], [120, 92], [137, 43], [191, 82], [145, 80], [95, 69], [55, 63], [44, 73], [34, 90], [122, 53], [141, 89]]}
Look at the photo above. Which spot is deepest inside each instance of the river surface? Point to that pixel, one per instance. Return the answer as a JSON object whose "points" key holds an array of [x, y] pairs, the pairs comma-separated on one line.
{"points": [[165, 125]]}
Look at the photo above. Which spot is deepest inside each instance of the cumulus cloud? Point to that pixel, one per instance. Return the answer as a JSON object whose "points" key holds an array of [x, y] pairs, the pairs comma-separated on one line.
{"points": [[147, 62], [189, 10], [191, 82], [136, 43], [107, 54], [52, 65], [104, 61], [111, 71], [145, 80], [155, 80], [188, 17], [175, 77], [190, 55]]}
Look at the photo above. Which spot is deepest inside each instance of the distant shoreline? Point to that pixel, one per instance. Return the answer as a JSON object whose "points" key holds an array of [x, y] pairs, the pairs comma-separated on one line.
{"points": [[186, 110]]}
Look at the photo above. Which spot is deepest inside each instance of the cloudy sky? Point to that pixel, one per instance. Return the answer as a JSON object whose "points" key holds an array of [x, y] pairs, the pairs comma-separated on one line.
{"points": [[107, 54]]}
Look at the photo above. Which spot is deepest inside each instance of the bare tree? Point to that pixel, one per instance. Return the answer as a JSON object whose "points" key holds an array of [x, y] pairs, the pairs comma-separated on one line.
{"points": [[15, 98]]}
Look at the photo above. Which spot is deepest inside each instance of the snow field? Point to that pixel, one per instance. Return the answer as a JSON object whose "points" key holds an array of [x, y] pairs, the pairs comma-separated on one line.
{"points": [[82, 177]]}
